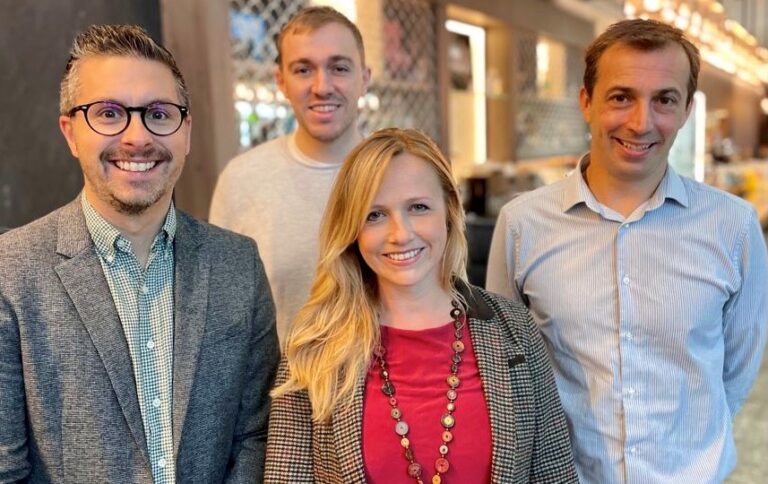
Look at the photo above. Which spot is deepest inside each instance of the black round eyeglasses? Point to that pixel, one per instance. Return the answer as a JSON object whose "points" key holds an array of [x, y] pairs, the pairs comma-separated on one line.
{"points": [[110, 118]]}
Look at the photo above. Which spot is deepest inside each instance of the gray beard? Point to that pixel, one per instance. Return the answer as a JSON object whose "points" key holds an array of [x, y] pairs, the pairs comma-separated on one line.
{"points": [[132, 208]]}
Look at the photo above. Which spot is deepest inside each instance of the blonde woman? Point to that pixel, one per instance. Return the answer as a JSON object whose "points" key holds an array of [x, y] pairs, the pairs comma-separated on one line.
{"points": [[396, 370]]}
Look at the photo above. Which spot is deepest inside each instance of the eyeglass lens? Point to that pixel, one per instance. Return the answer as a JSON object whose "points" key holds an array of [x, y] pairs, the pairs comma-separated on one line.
{"points": [[111, 118]]}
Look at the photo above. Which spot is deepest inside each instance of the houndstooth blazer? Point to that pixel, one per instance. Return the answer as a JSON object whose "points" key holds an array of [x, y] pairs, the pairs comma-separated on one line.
{"points": [[528, 427]]}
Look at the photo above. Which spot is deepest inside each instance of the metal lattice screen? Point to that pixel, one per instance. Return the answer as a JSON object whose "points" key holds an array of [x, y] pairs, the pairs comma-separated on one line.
{"points": [[405, 73], [400, 43], [254, 24], [549, 121], [262, 111]]}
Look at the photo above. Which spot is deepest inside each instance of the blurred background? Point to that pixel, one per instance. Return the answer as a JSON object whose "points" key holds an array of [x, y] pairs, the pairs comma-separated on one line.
{"points": [[495, 82]]}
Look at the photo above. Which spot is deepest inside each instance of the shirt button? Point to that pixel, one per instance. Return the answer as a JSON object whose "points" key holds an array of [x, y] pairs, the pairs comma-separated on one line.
{"points": [[156, 402], [627, 336], [161, 462], [144, 289], [625, 280], [110, 258], [150, 344], [633, 450], [630, 392]]}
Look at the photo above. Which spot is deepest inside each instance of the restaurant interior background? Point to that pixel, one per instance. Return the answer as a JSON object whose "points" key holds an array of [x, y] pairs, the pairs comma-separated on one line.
{"points": [[494, 82]]}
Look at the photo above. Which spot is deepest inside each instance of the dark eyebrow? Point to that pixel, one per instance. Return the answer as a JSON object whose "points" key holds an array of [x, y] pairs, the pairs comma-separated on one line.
{"points": [[671, 90], [150, 103], [660, 92]]}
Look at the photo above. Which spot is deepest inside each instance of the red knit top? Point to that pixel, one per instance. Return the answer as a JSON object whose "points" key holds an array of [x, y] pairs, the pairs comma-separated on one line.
{"points": [[419, 362]]}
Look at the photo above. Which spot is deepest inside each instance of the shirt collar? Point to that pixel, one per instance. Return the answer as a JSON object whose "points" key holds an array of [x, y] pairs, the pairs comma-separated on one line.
{"points": [[576, 189], [108, 239], [672, 188]]}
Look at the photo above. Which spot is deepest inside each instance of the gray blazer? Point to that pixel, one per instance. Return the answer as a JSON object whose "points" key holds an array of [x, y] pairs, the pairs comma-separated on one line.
{"points": [[69, 410], [528, 429]]}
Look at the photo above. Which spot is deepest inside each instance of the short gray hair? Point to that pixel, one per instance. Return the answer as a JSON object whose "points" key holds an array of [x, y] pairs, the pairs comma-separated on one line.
{"points": [[114, 40]]}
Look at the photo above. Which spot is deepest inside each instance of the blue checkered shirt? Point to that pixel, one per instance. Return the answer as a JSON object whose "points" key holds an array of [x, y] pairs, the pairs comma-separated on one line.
{"points": [[143, 297]]}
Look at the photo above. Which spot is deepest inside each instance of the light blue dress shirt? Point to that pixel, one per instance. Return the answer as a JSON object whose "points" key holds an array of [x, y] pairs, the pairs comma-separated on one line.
{"points": [[656, 324]]}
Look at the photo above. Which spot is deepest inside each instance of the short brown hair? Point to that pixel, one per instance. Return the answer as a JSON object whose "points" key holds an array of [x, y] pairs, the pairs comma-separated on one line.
{"points": [[312, 18], [114, 40], [642, 35]]}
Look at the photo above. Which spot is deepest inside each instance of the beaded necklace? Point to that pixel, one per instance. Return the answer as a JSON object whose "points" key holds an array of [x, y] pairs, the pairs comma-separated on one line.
{"points": [[447, 420]]}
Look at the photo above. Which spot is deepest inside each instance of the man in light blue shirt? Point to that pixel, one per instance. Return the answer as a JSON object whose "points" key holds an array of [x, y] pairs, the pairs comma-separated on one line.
{"points": [[651, 289]]}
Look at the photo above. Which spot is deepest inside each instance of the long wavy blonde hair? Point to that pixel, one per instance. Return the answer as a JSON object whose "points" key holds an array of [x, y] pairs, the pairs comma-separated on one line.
{"points": [[331, 342]]}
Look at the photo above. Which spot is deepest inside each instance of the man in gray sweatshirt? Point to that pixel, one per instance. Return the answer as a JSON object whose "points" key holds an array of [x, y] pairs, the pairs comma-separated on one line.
{"points": [[276, 192]]}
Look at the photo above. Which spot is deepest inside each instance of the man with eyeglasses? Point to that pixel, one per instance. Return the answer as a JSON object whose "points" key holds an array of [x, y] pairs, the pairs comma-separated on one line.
{"points": [[136, 343]]}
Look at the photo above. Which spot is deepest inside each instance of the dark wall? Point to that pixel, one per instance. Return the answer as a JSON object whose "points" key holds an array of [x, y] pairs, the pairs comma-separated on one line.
{"points": [[37, 172]]}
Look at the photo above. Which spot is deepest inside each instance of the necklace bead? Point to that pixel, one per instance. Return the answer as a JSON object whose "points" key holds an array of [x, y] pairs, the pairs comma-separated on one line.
{"points": [[414, 469], [388, 388], [447, 420]]}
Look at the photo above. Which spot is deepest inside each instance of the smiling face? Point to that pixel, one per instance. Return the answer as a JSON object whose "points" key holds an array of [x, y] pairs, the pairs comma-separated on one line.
{"points": [[133, 171], [404, 235], [637, 106], [322, 74]]}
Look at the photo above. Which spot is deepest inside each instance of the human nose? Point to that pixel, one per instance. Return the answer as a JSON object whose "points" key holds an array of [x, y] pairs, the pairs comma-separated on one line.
{"points": [[400, 229], [641, 118], [321, 84], [136, 133]]}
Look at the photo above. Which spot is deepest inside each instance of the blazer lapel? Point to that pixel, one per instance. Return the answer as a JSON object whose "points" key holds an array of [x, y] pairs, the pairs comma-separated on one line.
{"points": [[191, 301], [82, 276], [494, 352], [347, 434]]}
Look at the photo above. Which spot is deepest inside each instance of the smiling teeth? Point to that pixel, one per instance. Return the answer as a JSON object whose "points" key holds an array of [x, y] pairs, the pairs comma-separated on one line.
{"points": [[404, 255], [636, 147], [326, 108], [134, 166]]}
